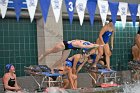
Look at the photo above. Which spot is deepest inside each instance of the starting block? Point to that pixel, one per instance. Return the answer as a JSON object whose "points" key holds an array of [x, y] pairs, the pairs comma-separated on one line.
{"points": [[107, 74], [45, 72]]}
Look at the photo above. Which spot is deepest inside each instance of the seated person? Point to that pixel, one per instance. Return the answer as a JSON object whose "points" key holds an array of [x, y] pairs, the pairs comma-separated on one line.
{"points": [[135, 64], [136, 47], [10, 81], [136, 53], [137, 38]]}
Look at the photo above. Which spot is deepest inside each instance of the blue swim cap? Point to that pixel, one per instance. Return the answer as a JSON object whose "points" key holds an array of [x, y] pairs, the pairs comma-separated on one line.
{"points": [[69, 64], [7, 67], [86, 43], [84, 50]]}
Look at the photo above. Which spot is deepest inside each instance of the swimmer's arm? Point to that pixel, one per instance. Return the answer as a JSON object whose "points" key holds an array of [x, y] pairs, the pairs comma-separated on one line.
{"points": [[93, 51], [80, 67], [112, 39], [101, 34], [76, 59]]}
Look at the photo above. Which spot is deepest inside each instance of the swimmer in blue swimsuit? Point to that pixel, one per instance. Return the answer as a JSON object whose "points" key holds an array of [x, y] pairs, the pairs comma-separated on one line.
{"points": [[67, 76], [77, 61], [105, 34], [136, 47], [137, 38], [66, 47]]}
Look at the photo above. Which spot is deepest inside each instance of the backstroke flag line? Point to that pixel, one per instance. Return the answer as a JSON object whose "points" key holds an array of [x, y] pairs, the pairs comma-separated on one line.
{"points": [[56, 6], [17, 5], [103, 7], [31, 4], [123, 12], [139, 11], [45, 4], [133, 11], [70, 5], [91, 6], [3, 7], [80, 7], [114, 10]]}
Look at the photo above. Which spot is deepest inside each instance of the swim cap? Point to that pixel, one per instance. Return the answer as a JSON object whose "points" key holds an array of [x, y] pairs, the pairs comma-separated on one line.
{"points": [[69, 64], [84, 50], [86, 43], [7, 67]]}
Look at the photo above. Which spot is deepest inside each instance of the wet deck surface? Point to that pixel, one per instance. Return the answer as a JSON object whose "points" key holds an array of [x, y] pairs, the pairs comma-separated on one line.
{"points": [[84, 90]]}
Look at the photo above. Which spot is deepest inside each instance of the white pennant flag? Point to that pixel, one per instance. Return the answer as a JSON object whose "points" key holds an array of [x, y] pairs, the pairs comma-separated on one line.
{"points": [[81, 6], [3, 7], [139, 10], [31, 4], [123, 12], [56, 6], [103, 7]]}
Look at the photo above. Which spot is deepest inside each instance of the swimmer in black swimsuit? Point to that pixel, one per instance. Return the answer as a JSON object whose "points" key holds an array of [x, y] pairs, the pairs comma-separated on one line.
{"points": [[9, 80]]}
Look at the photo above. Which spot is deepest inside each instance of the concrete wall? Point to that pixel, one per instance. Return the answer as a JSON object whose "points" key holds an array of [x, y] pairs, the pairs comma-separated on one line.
{"points": [[48, 35]]}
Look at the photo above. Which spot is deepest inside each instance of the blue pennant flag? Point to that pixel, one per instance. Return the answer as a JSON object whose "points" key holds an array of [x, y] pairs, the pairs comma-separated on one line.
{"points": [[114, 10], [133, 10], [91, 6], [45, 4], [70, 5], [17, 5]]}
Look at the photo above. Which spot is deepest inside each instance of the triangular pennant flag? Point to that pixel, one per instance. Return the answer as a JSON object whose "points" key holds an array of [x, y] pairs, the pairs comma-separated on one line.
{"points": [[114, 10], [45, 4], [80, 6], [103, 7], [3, 7], [91, 6], [70, 5], [17, 6], [123, 12], [133, 10], [139, 11], [31, 5], [56, 6]]}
